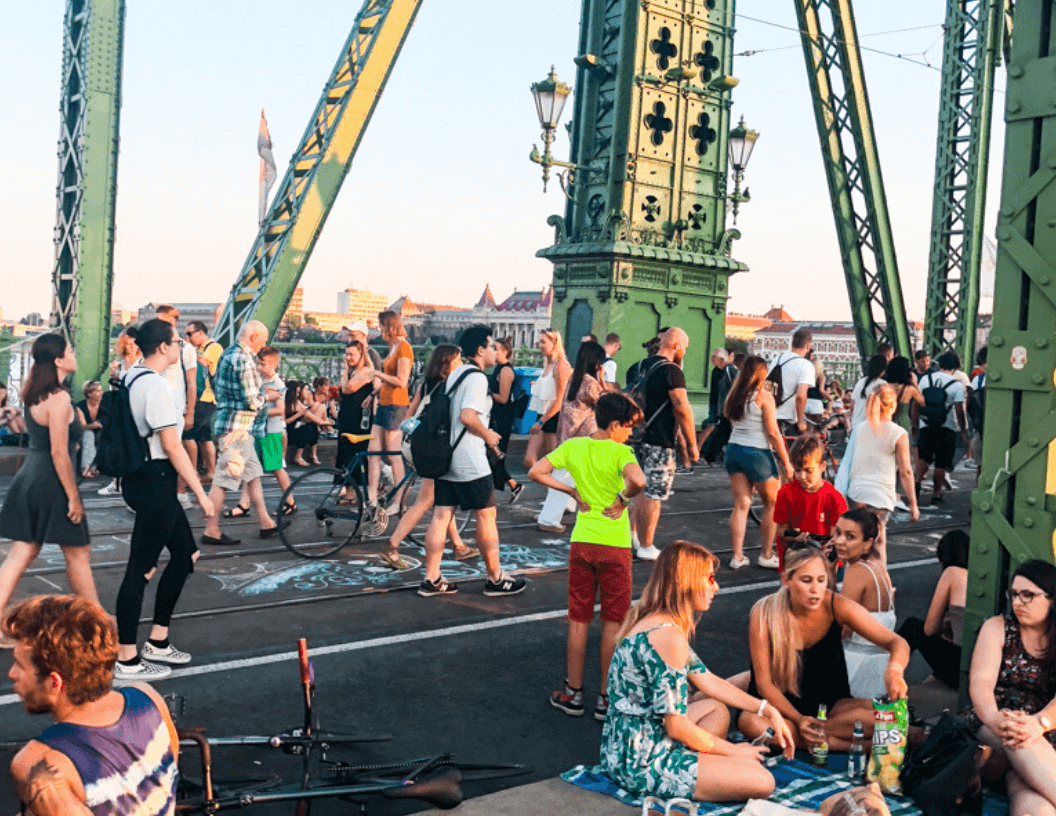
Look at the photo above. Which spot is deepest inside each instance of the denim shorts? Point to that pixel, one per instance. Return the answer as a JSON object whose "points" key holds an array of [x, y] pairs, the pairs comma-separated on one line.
{"points": [[758, 464], [389, 417]]}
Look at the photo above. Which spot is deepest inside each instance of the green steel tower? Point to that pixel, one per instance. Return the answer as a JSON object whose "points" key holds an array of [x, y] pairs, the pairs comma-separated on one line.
{"points": [[1014, 507], [643, 242], [87, 190], [969, 59]]}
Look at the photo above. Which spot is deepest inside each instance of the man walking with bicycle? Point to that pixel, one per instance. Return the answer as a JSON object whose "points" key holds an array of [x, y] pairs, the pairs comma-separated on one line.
{"points": [[468, 482]]}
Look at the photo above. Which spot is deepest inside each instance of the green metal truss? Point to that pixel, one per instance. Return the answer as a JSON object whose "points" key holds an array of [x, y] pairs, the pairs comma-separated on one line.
{"points": [[970, 56], [1014, 507], [852, 167], [93, 39], [318, 167]]}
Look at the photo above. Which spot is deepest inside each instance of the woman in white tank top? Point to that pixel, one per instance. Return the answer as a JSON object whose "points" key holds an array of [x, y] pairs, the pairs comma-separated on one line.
{"points": [[749, 460]]}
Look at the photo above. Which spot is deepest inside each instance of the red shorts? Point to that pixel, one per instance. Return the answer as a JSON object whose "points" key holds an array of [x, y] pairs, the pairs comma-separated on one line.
{"points": [[591, 566]]}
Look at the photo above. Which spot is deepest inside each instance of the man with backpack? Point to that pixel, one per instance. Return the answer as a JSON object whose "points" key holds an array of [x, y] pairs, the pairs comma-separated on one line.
{"points": [[666, 409], [790, 376], [942, 419], [201, 433], [467, 482]]}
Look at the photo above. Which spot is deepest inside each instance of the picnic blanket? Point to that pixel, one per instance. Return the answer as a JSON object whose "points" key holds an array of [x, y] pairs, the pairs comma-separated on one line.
{"points": [[799, 785]]}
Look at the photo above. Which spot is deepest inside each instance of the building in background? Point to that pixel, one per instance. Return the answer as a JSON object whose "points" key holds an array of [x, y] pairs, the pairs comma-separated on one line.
{"points": [[207, 313], [744, 327], [522, 316], [358, 304], [120, 316]]}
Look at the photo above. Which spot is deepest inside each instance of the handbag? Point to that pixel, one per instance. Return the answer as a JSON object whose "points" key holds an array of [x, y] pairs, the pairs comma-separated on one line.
{"points": [[716, 440], [941, 774]]}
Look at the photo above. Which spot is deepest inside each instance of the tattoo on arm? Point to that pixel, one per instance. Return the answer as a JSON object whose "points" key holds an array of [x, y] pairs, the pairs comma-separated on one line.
{"points": [[46, 792]]}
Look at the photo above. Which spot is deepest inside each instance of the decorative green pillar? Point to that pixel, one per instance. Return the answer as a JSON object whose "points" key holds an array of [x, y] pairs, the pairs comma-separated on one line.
{"points": [[643, 242]]}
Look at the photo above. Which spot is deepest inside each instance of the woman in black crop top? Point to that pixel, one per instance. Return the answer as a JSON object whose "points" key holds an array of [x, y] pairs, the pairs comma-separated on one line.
{"points": [[796, 680]]}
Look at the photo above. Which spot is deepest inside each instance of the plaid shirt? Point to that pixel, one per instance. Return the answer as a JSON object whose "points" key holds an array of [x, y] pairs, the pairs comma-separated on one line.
{"points": [[239, 398]]}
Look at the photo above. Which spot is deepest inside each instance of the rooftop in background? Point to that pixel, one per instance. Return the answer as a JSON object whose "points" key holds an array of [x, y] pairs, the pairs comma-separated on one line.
{"points": [[528, 301]]}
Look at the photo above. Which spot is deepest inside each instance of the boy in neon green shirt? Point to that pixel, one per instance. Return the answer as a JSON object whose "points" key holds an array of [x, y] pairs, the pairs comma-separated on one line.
{"points": [[606, 476]]}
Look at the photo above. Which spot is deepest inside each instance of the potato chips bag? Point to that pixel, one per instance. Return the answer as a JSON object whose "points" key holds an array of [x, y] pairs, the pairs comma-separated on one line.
{"points": [[890, 729]]}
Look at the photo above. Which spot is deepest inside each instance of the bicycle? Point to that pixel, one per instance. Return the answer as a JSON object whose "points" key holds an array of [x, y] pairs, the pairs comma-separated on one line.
{"points": [[435, 779], [333, 508], [830, 463]]}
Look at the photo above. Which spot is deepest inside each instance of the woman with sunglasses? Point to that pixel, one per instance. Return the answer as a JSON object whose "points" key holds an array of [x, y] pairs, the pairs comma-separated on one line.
{"points": [[659, 739], [1012, 685], [795, 637]]}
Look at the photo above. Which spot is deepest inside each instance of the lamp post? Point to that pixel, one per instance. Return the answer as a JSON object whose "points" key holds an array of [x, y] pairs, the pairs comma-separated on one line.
{"points": [[550, 97], [742, 141]]}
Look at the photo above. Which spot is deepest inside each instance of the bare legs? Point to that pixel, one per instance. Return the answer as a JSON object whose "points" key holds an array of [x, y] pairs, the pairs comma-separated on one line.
{"points": [[576, 652], [382, 439], [646, 514], [723, 778], [487, 541], [742, 501], [22, 554], [1031, 784]]}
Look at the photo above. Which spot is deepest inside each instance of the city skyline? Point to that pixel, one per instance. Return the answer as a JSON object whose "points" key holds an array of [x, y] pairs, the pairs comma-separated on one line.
{"points": [[442, 198]]}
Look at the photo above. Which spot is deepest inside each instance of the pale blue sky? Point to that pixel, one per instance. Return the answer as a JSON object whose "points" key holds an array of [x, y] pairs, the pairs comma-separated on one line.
{"points": [[441, 198]]}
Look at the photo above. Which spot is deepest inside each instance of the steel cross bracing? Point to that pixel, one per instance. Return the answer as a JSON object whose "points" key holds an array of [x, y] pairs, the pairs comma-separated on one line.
{"points": [[318, 167], [969, 60], [852, 167], [93, 34]]}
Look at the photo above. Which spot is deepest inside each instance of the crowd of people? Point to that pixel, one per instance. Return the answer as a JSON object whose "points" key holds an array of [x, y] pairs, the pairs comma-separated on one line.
{"points": [[223, 419]]}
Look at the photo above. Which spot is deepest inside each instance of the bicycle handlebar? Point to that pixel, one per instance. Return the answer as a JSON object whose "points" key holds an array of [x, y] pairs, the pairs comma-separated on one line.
{"points": [[302, 654]]}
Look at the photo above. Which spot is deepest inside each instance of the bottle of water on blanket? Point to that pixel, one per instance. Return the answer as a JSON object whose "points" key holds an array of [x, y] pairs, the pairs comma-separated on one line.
{"points": [[856, 756]]}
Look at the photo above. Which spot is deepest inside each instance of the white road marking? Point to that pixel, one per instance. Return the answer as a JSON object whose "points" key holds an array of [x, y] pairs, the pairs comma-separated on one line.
{"points": [[432, 634]]}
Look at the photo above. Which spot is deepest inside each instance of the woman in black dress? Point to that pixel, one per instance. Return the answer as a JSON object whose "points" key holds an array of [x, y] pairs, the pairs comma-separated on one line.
{"points": [[43, 505], [500, 383], [355, 412]]}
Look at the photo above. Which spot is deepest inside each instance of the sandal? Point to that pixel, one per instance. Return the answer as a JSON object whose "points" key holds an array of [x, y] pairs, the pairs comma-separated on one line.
{"points": [[238, 511], [287, 509], [394, 559]]}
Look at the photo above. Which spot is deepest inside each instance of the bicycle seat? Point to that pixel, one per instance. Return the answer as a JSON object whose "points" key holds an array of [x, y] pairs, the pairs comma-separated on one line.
{"points": [[354, 438], [442, 791]]}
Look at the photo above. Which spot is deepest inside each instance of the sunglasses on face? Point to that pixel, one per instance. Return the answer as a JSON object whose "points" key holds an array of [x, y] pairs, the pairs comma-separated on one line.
{"points": [[712, 581], [1025, 596]]}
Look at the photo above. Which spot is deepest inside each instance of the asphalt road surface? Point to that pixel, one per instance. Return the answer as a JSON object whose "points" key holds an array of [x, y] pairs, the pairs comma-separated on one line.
{"points": [[465, 674]]}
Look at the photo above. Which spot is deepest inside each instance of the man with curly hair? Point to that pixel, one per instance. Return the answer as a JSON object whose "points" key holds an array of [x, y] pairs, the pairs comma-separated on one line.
{"points": [[109, 752]]}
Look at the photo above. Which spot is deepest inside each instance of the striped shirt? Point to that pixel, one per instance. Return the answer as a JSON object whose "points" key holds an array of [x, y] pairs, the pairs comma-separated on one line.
{"points": [[236, 386], [128, 768]]}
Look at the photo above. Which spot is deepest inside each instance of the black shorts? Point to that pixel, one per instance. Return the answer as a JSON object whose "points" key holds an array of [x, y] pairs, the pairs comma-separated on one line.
{"points": [[202, 430], [550, 426], [475, 495], [937, 445]]}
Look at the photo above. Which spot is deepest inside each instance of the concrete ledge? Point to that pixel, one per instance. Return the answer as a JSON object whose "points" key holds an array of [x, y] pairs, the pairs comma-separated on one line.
{"points": [[546, 797]]}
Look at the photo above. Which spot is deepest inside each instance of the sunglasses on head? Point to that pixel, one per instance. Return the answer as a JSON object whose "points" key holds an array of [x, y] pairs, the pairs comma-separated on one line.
{"points": [[810, 544]]}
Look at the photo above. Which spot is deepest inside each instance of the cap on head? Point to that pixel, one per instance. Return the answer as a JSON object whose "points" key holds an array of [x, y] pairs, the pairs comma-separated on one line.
{"points": [[357, 326]]}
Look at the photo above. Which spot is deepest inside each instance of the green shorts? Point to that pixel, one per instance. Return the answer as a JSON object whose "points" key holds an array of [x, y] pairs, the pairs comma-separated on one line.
{"points": [[270, 452]]}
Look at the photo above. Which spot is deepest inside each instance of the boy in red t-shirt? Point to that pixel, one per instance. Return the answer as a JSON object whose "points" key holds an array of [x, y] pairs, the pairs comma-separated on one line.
{"points": [[808, 505]]}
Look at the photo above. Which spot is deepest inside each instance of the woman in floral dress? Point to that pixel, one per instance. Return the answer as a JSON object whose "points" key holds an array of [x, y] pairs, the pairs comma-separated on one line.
{"points": [[658, 739], [1012, 684]]}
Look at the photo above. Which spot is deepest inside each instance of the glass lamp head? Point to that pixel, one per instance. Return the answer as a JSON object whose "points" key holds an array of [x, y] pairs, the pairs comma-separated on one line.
{"points": [[742, 141], [550, 96]]}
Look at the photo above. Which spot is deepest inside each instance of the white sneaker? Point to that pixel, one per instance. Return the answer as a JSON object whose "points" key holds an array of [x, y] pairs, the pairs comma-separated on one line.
{"points": [[768, 563], [142, 671], [170, 654], [185, 501], [901, 505], [650, 553], [739, 563], [110, 490]]}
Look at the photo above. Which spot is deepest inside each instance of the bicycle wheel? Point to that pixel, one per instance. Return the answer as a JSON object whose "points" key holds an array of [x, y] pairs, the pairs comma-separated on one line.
{"points": [[417, 534], [324, 522]]}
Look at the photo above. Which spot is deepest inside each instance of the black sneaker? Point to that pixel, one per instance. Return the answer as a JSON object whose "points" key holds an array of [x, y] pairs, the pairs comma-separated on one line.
{"points": [[506, 585], [569, 700], [427, 588]]}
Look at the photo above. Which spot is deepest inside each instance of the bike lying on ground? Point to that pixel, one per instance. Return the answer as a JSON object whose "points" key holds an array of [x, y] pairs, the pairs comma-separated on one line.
{"points": [[332, 508], [434, 779]]}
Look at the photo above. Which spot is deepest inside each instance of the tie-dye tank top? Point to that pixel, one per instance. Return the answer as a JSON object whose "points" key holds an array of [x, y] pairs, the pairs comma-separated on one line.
{"points": [[127, 768]]}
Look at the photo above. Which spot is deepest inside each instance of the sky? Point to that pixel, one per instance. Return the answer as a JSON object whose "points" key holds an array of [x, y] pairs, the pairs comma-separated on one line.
{"points": [[441, 198]]}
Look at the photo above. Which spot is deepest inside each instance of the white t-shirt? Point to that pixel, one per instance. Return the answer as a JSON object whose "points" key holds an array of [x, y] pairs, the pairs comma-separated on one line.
{"points": [[470, 459], [860, 394], [795, 371], [151, 401], [875, 467], [176, 377], [276, 423], [608, 371], [954, 394]]}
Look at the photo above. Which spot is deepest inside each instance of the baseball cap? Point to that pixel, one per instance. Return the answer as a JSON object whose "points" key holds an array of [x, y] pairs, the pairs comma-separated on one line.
{"points": [[357, 326]]}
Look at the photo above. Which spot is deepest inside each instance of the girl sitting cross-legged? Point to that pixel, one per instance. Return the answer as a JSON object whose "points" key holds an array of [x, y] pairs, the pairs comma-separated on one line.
{"points": [[659, 738]]}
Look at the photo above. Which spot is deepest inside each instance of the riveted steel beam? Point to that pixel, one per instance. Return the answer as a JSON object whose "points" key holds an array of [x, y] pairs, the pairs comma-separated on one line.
{"points": [[852, 168], [970, 55], [318, 167]]}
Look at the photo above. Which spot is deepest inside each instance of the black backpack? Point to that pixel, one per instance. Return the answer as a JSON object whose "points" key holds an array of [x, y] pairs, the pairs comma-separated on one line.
{"points": [[431, 448], [638, 394], [977, 405], [775, 383], [934, 409], [120, 450]]}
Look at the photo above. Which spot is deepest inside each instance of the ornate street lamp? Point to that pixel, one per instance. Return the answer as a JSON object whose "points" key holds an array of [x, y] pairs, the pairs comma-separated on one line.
{"points": [[550, 96], [741, 143]]}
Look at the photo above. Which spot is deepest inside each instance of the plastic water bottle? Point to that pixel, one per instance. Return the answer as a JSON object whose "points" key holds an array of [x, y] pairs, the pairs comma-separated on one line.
{"points": [[763, 740], [856, 756], [821, 750]]}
